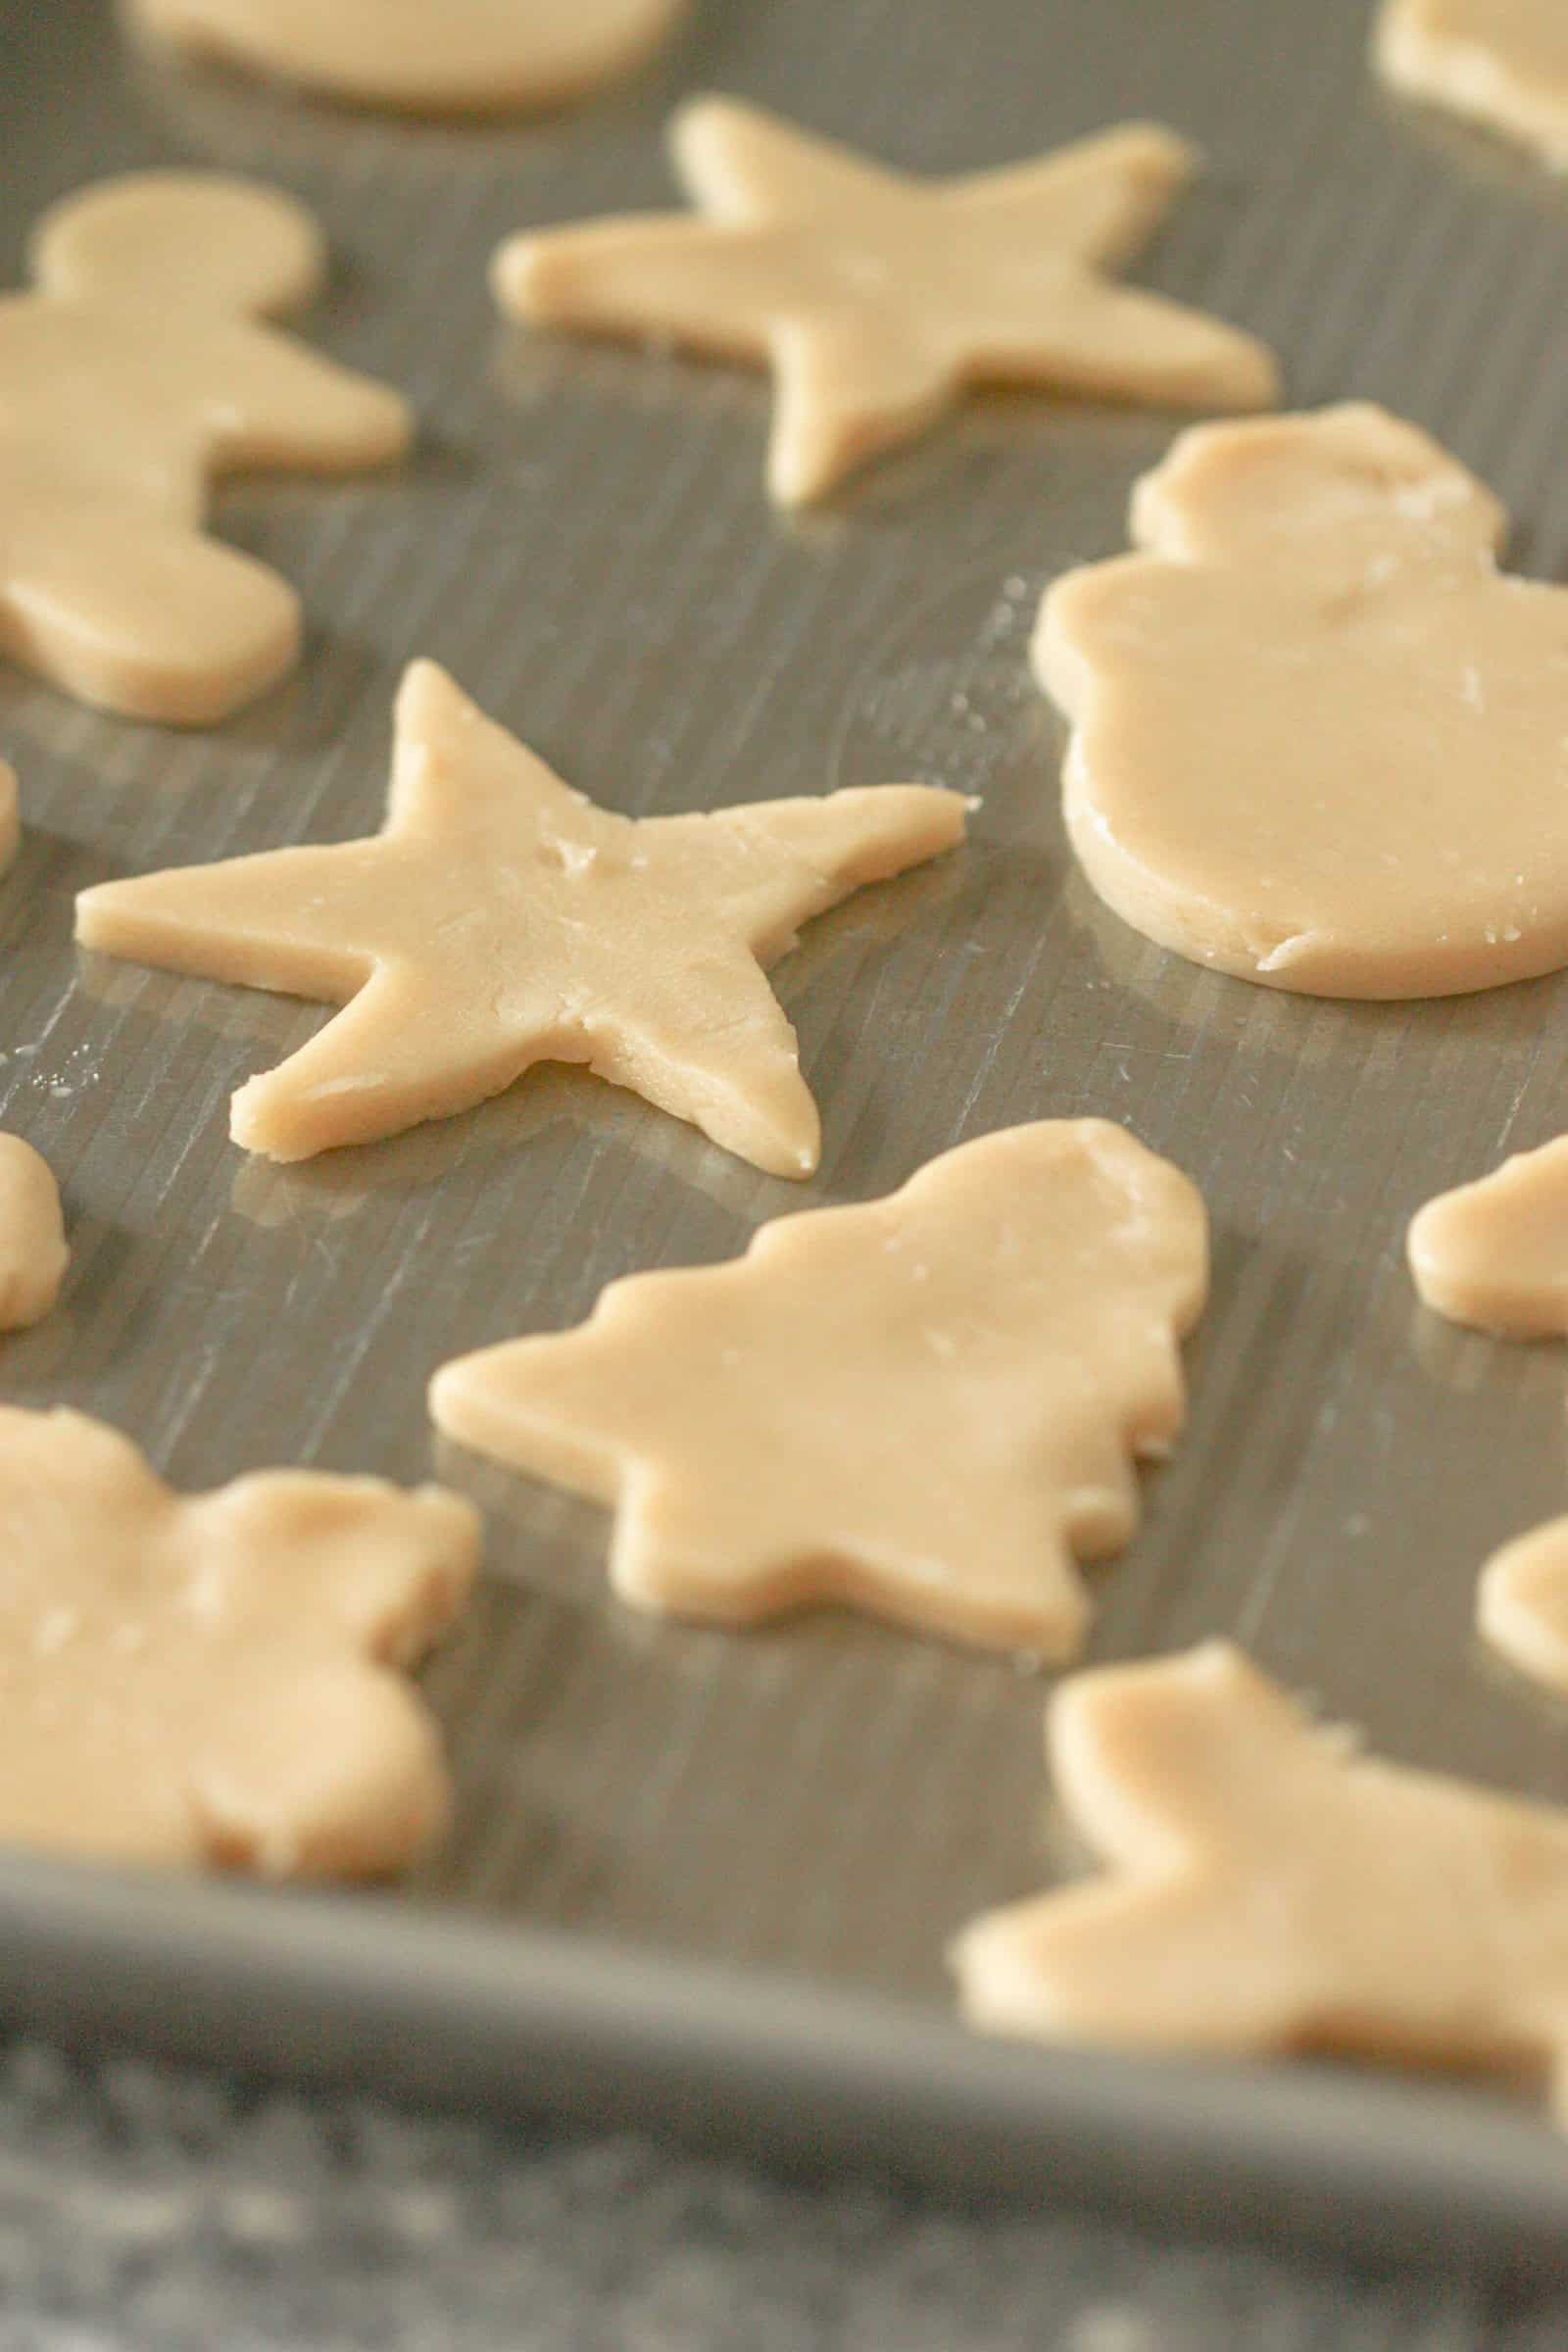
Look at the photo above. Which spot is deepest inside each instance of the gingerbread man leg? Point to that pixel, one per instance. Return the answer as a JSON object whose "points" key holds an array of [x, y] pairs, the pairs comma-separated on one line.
{"points": [[139, 615]]}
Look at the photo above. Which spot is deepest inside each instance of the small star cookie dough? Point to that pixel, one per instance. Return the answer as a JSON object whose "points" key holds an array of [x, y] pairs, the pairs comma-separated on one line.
{"points": [[461, 57], [1495, 1253], [137, 374], [927, 1406], [1522, 1603], [1318, 738], [876, 298], [1503, 62], [501, 919], [34, 1255], [216, 1679], [1269, 1888]]}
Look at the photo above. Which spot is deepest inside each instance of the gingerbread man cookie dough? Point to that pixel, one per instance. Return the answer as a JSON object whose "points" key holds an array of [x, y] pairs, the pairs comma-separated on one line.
{"points": [[1503, 62], [458, 57], [1270, 1889], [927, 1406], [1495, 1253], [34, 1255], [134, 375], [501, 919], [876, 298], [216, 1679], [1317, 735]]}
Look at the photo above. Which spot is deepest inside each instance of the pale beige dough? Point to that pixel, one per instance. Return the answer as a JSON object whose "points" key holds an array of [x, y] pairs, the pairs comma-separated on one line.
{"points": [[1269, 1888], [423, 56], [1495, 1253], [10, 818], [876, 298], [34, 1255], [1522, 1603], [137, 375], [1503, 62], [500, 919], [1318, 739], [927, 1406], [214, 1679]]}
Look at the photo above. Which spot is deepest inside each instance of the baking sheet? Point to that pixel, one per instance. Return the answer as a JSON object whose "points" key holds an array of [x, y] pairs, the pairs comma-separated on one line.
{"points": [[809, 1810]]}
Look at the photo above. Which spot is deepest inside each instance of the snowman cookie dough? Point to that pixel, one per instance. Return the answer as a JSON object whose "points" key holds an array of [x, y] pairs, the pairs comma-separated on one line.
{"points": [[1319, 739]]}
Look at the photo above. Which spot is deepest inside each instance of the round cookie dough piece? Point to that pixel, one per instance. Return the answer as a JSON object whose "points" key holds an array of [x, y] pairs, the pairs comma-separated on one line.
{"points": [[464, 56], [1320, 741]]}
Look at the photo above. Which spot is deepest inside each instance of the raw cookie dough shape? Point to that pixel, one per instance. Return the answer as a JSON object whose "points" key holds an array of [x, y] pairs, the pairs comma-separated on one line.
{"points": [[1503, 62], [927, 1406], [1318, 738], [876, 298], [34, 1255], [213, 1677], [10, 819], [1495, 1253], [501, 919], [420, 57], [1522, 1603], [137, 375], [1274, 1891]]}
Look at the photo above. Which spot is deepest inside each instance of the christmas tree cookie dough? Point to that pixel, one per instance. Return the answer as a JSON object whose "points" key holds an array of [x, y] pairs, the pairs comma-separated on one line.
{"points": [[1495, 1253], [458, 57], [876, 298], [1318, 738], [1270, 1889], [501, 919], [928, 1407], [136, 375], [34, 1255], [214, 1679], [1503, 62]]}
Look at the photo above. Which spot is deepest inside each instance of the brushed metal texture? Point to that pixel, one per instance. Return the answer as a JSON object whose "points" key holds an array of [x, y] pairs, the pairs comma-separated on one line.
{"points": [[584, 539]]}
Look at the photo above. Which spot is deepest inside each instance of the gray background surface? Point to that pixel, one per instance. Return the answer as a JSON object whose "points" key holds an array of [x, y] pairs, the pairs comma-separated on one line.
{"points": [[584, 539]]}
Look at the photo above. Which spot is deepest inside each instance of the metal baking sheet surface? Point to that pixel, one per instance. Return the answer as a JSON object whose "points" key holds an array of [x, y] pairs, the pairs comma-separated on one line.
{"points": [[694, 1876]]}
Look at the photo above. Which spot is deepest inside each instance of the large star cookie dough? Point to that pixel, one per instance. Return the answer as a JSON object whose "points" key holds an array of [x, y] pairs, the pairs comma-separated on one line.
{"points": [[928, 1407], [1270, 1889], [1319, 740], [876, 298], [137, 374], [421, 56], [215, 1678], [500, 919], [1505, 62]]}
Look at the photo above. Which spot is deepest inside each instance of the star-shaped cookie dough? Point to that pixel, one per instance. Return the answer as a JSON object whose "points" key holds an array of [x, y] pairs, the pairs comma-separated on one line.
{"points": [[1276, 1890], [876, 298], [501, 919], [928, 1407], [212, 1679]]}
